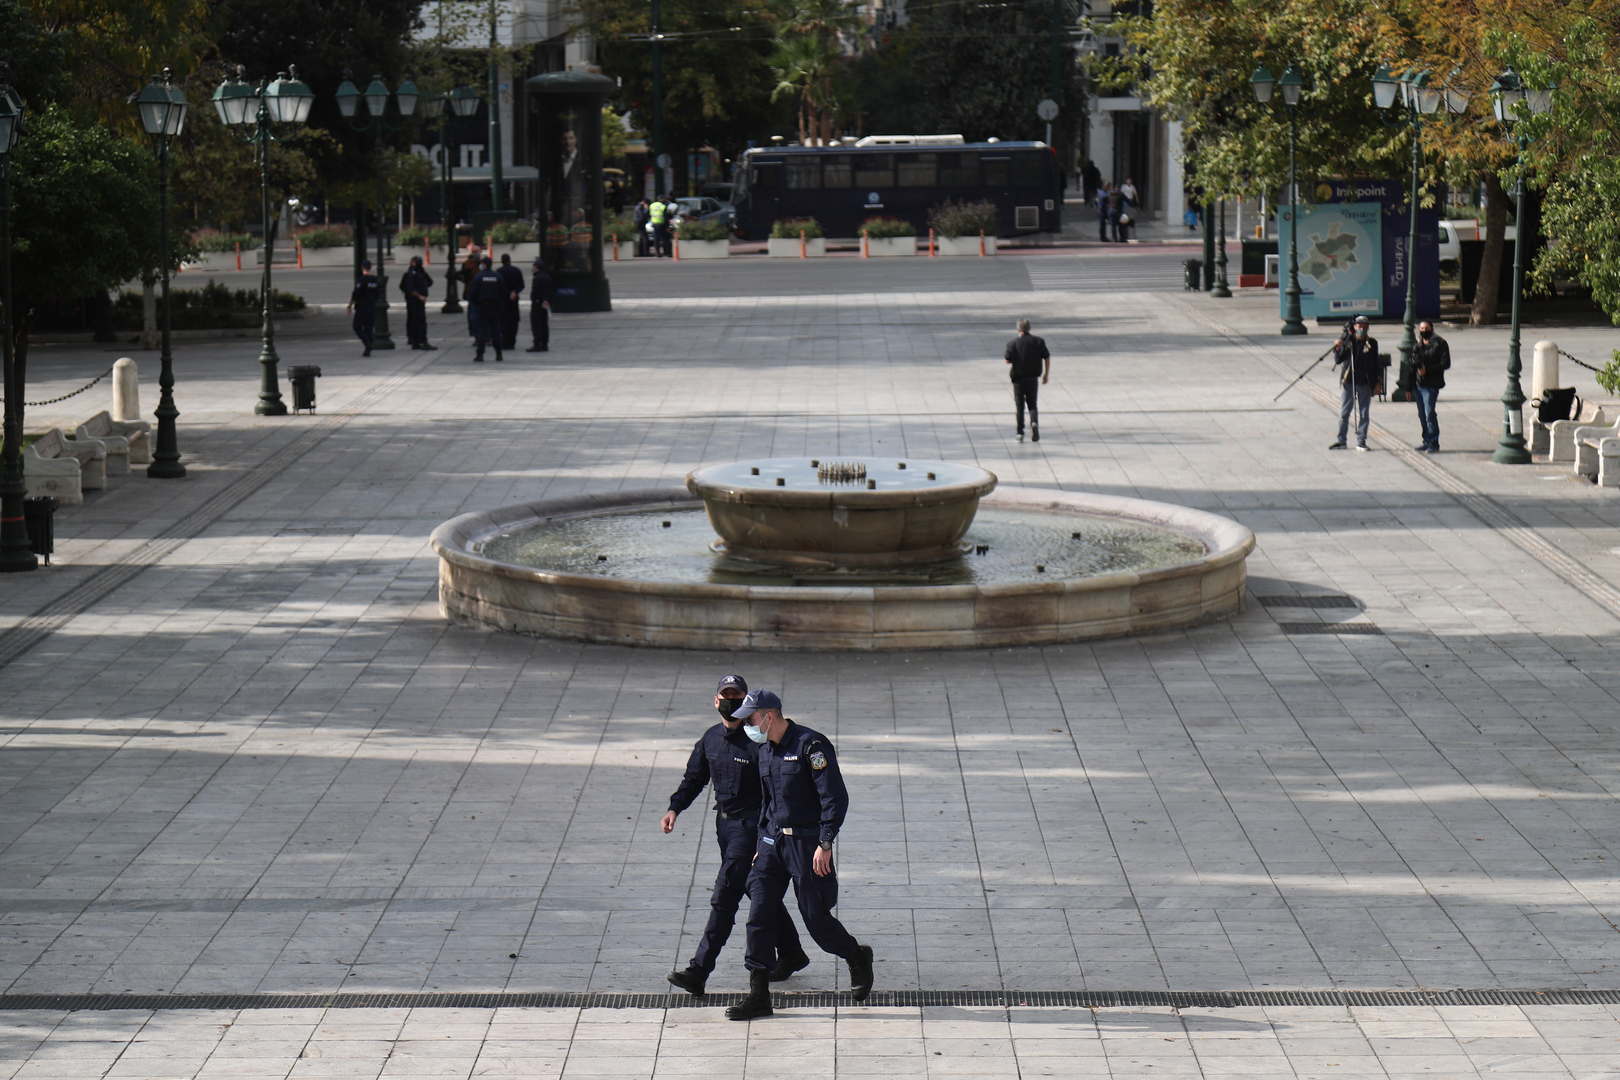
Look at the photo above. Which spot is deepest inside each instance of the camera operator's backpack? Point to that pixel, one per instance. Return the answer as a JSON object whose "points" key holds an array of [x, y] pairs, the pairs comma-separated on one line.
{"points": [[1557, 403]]}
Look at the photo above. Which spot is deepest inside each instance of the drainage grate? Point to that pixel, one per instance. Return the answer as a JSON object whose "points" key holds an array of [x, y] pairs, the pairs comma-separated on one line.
{"points": [[1074, 999], [1326, 601], [1329, 628]]}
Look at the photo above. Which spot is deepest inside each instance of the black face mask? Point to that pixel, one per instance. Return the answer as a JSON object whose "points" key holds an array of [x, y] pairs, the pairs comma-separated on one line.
{"points": [[1425, 334], [727, 706]]}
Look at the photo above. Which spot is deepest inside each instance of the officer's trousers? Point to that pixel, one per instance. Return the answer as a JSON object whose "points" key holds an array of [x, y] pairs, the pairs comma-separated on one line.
{"points": [[511, 311], [486, 326], [365, 324], [415, 320], [789, 860], [737, 840], [540, 324]]}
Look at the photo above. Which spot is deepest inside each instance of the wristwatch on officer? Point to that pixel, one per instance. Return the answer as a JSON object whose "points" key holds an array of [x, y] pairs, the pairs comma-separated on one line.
{"points": [[824, 845]]}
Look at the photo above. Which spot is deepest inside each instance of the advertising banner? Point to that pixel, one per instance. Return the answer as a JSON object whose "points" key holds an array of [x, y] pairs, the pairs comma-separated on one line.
{"points": [[1340, 259], [1397, 229]]}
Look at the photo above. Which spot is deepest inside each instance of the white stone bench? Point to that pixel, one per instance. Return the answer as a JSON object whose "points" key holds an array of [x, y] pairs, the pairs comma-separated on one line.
{"points": [[1592, 414], [129, 442], [1597, 453], [53, 465]]}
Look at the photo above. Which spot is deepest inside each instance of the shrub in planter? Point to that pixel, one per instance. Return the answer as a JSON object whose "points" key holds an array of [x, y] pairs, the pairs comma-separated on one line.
{"points": [[212, 307], [415, 235], [511, 232], [210, 240], [618, 228], [703, 230], [790, 228], [953, 219], [878, 228], [318, 239]]}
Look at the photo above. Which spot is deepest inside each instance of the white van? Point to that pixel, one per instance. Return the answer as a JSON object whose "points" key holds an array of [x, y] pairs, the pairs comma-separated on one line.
{"points": [[1454, 230]]}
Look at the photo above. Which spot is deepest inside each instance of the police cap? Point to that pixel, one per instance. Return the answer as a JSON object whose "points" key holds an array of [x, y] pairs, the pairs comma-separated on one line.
{"points": [[730, 682], [756, 700]]}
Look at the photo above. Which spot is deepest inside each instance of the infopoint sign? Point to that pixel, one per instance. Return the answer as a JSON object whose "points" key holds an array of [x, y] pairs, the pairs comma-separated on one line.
{"points": [[1390, 195], [1340, 259]]}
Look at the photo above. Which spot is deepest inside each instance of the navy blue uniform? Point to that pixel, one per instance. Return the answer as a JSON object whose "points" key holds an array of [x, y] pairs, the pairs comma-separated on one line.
{"points": [[485, 293], [729, 761], [364, 298], [804, 802], [413, 281], [539, 315], [511, 308]]}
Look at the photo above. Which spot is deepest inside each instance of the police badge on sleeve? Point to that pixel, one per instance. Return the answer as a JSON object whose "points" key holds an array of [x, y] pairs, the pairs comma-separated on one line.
{"points": [[818, 760]]}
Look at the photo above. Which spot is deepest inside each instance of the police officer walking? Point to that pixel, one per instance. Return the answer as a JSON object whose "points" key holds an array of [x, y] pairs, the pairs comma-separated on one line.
{"points": [[658, 213], [805, 802], [511, 307], [486, 293], [363, 305], [416, 284], [540, 309], [727, 759]]}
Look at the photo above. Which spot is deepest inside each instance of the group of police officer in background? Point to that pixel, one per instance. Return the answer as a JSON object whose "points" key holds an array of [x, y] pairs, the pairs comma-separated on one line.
{"points": [[780, 802], [494, 307]]}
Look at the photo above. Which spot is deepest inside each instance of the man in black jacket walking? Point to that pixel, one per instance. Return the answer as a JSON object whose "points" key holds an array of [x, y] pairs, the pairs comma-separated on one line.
{"points": [[416, 284], [363, 305], [1363, 373], [1431, 359], [1031, 366]]}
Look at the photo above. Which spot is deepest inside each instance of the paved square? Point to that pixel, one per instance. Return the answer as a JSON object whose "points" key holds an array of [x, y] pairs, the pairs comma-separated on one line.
{"points": [[241, 752]]}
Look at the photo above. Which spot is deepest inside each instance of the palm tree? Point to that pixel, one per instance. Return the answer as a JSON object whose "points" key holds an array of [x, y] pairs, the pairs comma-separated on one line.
{"points": [[807, 66]]}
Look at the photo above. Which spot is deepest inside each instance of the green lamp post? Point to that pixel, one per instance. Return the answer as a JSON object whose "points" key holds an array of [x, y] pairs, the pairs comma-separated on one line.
{"points": [[163, 110], [376, 98], [15, 551], [1292, 85], [256, 112], [462, 101], [1511, 101]]}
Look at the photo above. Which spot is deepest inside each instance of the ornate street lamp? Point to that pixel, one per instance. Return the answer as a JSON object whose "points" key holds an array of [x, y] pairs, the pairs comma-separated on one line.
{"points": [[462, 101], [1511, 101], [1292, 85], [1418, 99], [163, 114], [285, 101], [376, 96], [15, 551]]}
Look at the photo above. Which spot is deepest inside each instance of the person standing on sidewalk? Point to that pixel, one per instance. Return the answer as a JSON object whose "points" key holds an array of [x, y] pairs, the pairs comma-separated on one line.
{"points": [[1357, 350], [486, 295], [363, 305], [1431, 359], [416, 284], [540, 308], [659, 212], [804, 808], [729, 760], [1031, 365], [511, 307]]}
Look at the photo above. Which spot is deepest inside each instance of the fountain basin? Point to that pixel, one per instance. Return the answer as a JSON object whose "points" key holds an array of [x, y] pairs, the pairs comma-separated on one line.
{"points": [[480, 591], [800, 511]]}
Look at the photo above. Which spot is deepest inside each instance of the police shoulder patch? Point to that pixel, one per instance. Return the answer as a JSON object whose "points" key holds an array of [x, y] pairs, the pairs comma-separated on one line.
{"points": [[818, 760]]}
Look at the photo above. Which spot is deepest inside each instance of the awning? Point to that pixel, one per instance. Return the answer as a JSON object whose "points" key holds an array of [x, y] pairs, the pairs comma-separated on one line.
{"points": [[481, 174]]}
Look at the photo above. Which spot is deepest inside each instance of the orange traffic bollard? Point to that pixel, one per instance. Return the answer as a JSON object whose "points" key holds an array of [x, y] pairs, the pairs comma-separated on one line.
{"points": [[981, 243], [239, 254], [803, 243], [865, 254], [298, 245]]}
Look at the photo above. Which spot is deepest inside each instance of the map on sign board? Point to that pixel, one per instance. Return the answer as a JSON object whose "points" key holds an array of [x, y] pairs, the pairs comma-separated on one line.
{"points": [[1330, 255], [1340, 260]]}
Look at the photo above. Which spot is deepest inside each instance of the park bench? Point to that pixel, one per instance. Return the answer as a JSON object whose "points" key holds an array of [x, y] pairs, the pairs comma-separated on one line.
{"points": [[129, 442], [1597, 453], [65, 468], [1592, 414]]}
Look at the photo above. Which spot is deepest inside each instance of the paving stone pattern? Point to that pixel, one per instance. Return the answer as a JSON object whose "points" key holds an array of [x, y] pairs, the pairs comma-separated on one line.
{"points": [[266, 765]]}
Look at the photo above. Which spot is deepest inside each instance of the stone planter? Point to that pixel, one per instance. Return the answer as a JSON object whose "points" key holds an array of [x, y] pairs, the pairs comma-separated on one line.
{"points": [[332, 256], [883, 247], [222, 260], [964, 245], [522, 254], [788, 247], [703, 249]]}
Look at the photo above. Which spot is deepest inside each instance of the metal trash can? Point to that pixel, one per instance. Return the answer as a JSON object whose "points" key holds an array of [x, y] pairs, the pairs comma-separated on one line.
{"points": [[1195, 275], [303, 378], [39, 515]]}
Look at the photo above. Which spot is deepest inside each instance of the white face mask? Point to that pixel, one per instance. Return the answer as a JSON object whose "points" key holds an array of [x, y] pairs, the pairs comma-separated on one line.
{"points": [[754, 733]]}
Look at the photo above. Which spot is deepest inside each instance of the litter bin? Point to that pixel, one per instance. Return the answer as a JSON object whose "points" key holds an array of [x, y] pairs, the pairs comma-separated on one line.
{"points": [[39, 515], [303, 378], [1195, 275]]}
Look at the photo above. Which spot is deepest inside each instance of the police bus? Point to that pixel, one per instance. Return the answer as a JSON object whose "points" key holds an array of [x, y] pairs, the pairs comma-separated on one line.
{"points": [[897, 176]]}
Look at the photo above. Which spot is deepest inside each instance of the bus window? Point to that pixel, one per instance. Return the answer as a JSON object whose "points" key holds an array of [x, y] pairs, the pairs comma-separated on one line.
{"points": [[802, 174], [874, 170], [767, 176], [918, 170], [837, 173], [1027, 168], [959, 170], [995, 171]]}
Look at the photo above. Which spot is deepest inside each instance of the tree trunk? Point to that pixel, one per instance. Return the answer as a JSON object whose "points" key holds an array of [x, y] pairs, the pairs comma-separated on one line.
{"points": [[149, 326], [1489, 288]]}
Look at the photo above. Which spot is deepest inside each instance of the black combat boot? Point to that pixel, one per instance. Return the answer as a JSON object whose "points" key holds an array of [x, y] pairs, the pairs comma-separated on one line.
{"points": [[758, 1001], [691, 980], [860, 973], [786, 965]]}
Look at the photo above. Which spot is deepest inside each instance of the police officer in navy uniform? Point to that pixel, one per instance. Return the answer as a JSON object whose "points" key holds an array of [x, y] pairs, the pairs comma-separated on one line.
{"points": [[363, 305], [540, 311], [416, 284], [486, 294], [512, 307], [726, 758], [805, 802]]}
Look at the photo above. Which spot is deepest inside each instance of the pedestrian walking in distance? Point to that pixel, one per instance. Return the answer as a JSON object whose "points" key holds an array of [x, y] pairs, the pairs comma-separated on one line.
{"points": [[1031, 365], [1363, 373], [1431, 359], [729, 760], [486, 294], [805, 803], [540, 308], [363, 305], [416, 284], [511, 307]]}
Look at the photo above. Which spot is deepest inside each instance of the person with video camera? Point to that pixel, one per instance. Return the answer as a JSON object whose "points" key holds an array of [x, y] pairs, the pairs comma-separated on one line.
{"points": [[1363, 375], [1432, 358]]}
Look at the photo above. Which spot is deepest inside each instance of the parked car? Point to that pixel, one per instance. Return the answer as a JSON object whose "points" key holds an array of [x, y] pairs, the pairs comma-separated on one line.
{"points": [[702, 208], [1455, 230]]}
